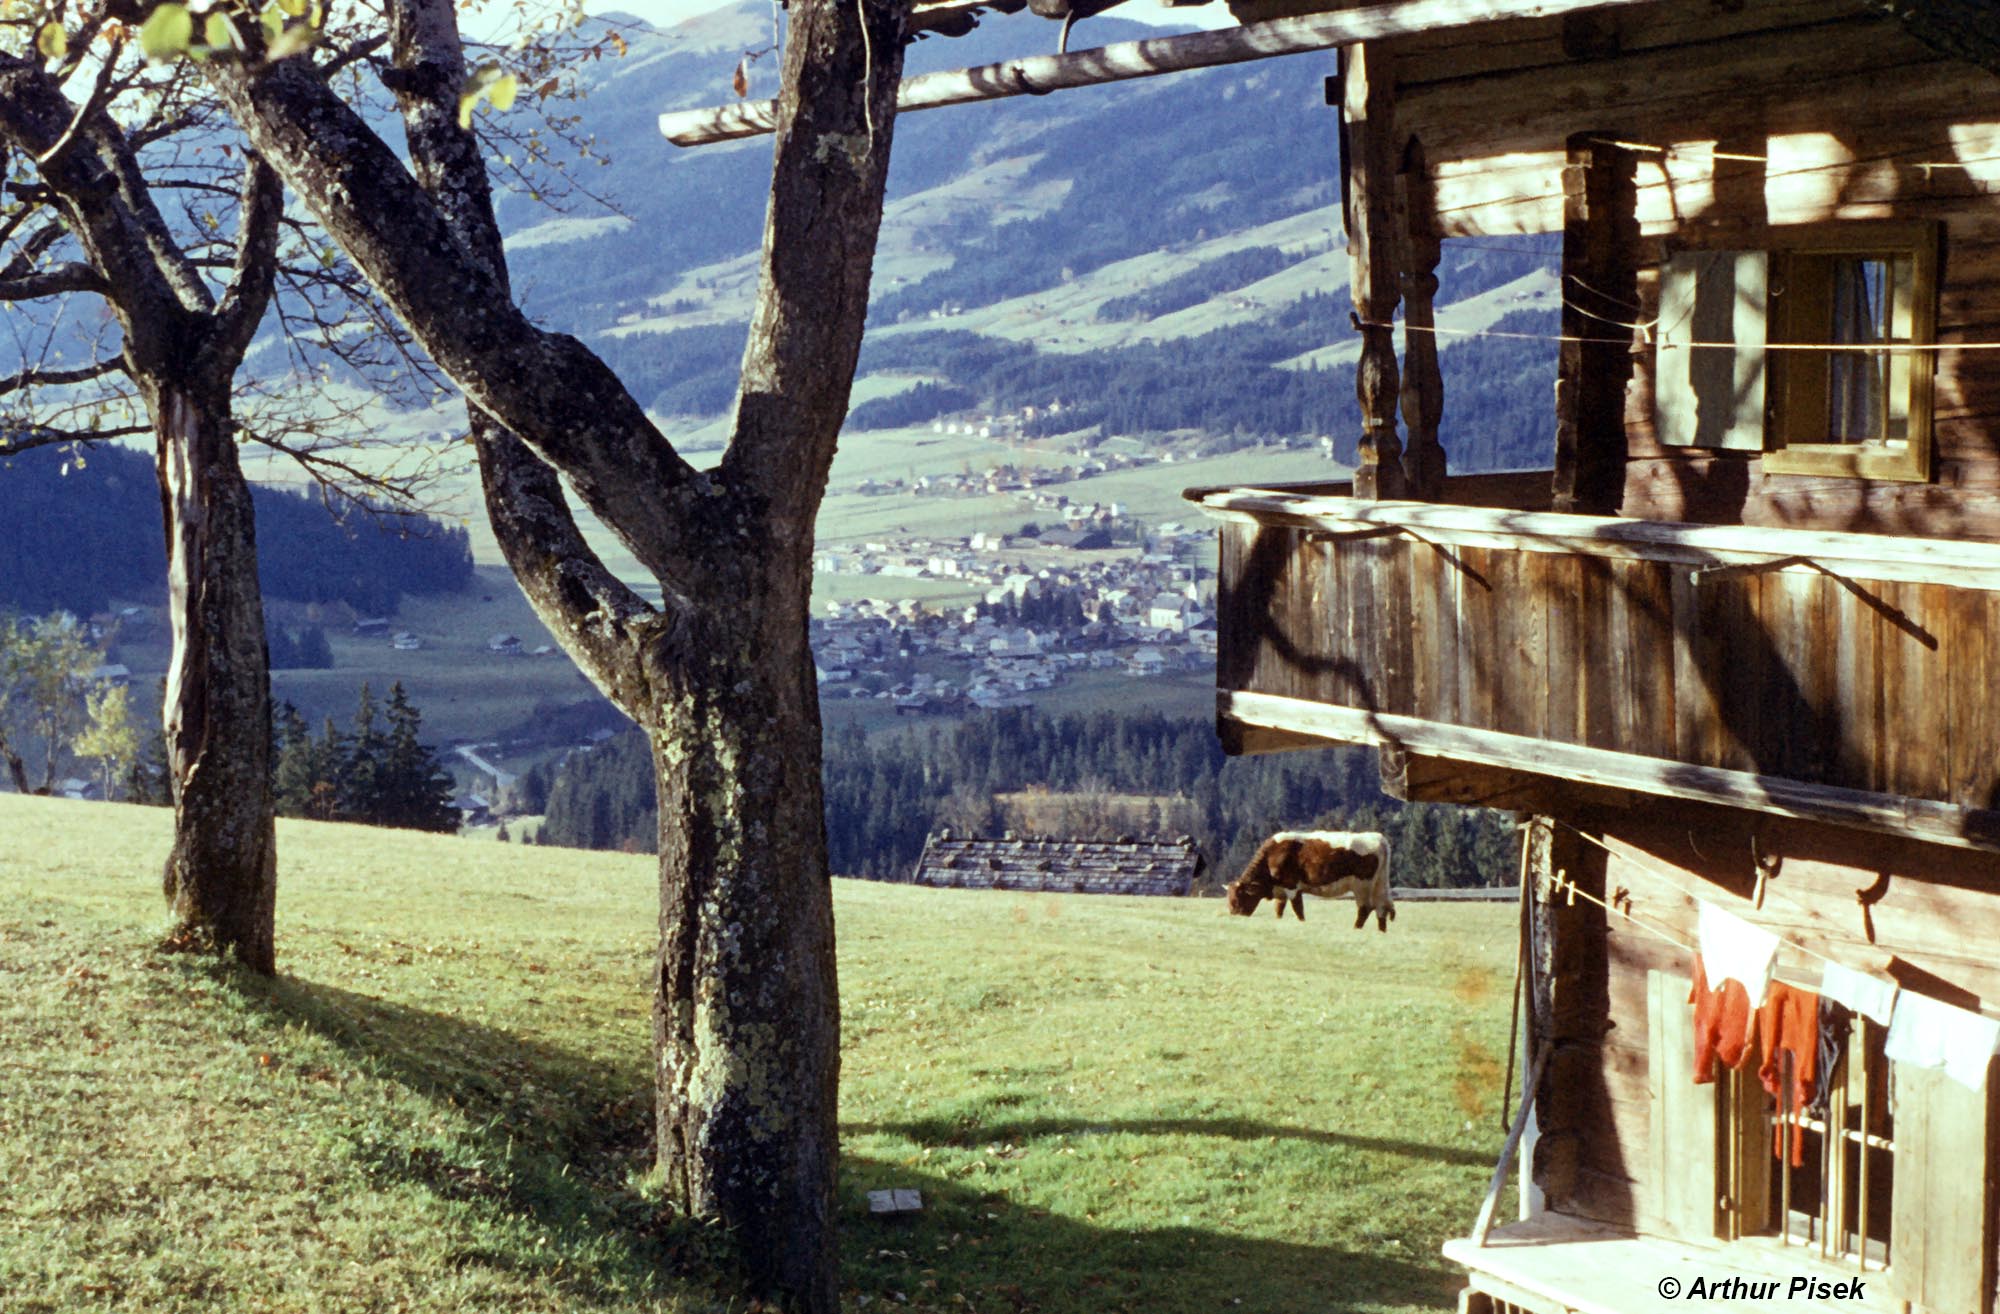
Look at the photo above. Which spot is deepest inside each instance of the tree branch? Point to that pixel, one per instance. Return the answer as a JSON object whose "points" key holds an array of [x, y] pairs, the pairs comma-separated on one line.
{"points": [[249, 292], [40, 378], [842, 67], [546, 387], [14, 442], [31, 247], [563, 578], [61, 280], [591, 611], [359, 50], [100, 94], [105, 204]]}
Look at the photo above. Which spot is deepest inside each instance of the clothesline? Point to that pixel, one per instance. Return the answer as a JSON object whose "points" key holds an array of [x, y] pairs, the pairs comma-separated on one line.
{"points": [[1921, 1030], [1663, 877], [1871, 347], [1652, 149]]}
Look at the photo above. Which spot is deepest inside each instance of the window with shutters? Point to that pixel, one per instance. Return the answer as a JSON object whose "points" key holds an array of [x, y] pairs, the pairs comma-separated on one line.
{"points": [[1806, 351]]}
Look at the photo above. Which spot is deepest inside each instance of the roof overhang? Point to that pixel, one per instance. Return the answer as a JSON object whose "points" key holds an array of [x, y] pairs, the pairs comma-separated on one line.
{"points": [[1037, 75]]}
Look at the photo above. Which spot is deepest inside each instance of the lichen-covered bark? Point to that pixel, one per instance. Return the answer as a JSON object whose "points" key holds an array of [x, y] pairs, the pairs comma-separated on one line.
{"points": [[746, 1021], [221, 874], [181, 348]]}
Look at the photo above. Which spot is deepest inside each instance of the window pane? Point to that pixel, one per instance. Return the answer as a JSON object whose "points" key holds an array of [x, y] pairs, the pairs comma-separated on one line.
{"points": [[1857, 383]]}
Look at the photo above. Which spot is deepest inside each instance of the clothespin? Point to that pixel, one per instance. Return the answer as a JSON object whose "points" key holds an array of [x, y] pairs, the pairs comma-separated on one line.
{"points": [[1569, 886]]}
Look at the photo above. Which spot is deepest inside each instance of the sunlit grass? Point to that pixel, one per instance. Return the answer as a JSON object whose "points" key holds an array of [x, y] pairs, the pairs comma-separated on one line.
{"points": [[442, 1103]]}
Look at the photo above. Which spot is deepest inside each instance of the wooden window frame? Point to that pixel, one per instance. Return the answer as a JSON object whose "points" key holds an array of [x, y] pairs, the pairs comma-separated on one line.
{"points": [[1795, 395], [1759, 1186]]}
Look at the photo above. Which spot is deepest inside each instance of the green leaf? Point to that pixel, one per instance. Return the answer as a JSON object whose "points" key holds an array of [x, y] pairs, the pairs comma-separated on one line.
{"points": [[52, 41], [485, 81], [167, 33], [292, 41], [272, 20], [219, 30], [295, 8]]}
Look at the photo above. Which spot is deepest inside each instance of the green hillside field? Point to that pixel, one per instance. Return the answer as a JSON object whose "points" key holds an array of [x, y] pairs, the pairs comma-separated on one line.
{"points": [[442, 1102]]}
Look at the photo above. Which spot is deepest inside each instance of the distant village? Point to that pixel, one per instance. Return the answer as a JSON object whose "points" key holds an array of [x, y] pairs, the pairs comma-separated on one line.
{"points": [[1028, 483], [1053, 605]]}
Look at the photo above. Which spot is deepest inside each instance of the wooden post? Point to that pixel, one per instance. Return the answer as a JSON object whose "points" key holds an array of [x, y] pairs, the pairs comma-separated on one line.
{"points": [[1423, 384], [1600, 303], [1482, 1227], [1368, 107]]}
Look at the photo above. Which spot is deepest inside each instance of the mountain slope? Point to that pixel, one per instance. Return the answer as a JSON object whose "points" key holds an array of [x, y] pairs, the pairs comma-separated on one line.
{"points": [[1099, 223]]}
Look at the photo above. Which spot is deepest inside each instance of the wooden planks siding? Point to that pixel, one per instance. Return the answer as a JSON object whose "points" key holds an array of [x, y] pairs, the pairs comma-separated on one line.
{"points": [[1791, 673], [1838, 114]]}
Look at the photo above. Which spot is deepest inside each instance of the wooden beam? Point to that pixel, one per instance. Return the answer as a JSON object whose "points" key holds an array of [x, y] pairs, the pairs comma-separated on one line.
{"points": [[1426, 779], [1143, 59], [1423, 382], [1600, 299], [1483, 1226], [1923, 819], [1240, 740], [1374, 247], [1880, 557]]}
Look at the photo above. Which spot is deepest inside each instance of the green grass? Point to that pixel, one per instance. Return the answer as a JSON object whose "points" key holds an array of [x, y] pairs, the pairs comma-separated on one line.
{"points": [[441, 1105], [463, 690]]}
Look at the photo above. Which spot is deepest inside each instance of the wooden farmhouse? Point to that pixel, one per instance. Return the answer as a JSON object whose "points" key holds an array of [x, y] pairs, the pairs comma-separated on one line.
{"points": [[1734, 656], [1059, 866]]}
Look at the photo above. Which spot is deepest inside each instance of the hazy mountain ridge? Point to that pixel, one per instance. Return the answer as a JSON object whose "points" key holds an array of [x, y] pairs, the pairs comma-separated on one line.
{"points": [[1086, 223], [1091, 223]]}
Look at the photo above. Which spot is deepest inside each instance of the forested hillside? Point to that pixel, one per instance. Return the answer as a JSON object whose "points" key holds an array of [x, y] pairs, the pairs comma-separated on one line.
{"points": [[79, 530], [884, 797], [1161, 257]]}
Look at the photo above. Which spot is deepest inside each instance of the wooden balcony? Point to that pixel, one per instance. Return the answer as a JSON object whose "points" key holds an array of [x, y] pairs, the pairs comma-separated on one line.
{"points": [[1831, 676]]}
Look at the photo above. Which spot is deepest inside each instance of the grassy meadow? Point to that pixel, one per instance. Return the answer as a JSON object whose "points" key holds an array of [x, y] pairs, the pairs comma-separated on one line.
{"points": [[442, 1102]]}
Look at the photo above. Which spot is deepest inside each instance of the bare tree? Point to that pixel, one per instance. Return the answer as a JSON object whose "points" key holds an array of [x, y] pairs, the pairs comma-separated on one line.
{"points": [[181, 343], [719, 675], [139, 195]]}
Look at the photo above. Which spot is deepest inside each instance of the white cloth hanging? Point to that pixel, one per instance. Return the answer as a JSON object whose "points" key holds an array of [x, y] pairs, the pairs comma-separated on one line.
{"points": [[1871, 996], [1932, 1034], [1733, 949]]}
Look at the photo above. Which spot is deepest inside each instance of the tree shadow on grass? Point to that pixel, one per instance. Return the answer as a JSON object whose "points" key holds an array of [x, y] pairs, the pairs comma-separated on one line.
{"points": [[559, 1138], [983, 1251], [535, 1132], [967, 1132]]}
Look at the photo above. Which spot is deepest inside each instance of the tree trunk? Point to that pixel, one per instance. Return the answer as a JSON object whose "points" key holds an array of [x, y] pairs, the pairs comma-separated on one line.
{"points": [[17, 769], [746, 1022], [221, 876]]}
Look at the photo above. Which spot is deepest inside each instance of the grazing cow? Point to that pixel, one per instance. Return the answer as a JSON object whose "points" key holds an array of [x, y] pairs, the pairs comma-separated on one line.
{"points": [[1325, 863]]}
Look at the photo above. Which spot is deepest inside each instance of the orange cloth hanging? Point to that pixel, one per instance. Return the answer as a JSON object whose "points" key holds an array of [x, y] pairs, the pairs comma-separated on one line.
{"points": [[1788, 1023], [1722, 1025]]}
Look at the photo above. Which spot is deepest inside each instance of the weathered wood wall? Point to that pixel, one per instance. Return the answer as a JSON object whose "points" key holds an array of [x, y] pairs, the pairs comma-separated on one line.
{"points": [[1925, 915], [1867, 685], [1841, 115]]}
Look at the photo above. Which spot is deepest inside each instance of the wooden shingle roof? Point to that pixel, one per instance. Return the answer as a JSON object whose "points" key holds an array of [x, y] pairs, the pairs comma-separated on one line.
{"points": [[1060, 866]]}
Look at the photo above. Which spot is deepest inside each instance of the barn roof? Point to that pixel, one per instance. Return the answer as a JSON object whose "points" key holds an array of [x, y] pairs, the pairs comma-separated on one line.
{"points": [[1121, 866]]}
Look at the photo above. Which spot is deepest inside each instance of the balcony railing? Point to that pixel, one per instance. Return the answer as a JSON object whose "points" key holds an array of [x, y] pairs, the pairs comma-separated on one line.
{"points": [[1838, 676]]}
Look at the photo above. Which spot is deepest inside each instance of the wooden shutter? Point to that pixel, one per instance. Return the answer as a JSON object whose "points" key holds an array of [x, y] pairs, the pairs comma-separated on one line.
{"points": [[1941, 1255], [1681, 1167], [1707, 397]]}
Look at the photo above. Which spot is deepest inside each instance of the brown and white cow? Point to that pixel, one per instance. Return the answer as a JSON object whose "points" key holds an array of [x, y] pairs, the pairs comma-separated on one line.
{"points": [[1325, 863]]}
